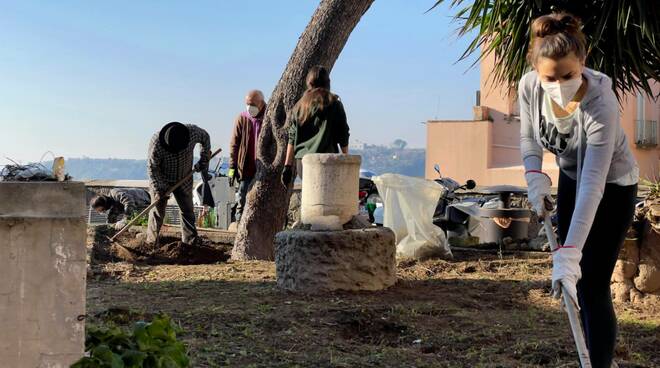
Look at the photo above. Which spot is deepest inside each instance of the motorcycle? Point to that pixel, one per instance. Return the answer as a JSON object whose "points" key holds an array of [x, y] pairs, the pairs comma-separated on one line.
{"points": [[447, 216]]}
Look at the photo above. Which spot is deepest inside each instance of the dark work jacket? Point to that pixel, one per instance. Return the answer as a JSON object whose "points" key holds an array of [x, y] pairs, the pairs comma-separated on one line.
{"points": [[323, 132]]}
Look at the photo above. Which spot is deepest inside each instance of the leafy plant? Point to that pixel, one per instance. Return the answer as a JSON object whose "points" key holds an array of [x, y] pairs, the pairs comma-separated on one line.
{"points": [[142, 221], [148, 345], [622, 36], [653, 186]]}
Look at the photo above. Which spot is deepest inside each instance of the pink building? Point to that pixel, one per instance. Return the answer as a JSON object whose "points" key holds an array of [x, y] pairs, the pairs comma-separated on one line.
{"points": [[487, 149]]}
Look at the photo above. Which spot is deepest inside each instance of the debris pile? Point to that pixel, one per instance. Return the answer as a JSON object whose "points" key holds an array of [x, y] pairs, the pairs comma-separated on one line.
{"points": [[34, 172]]}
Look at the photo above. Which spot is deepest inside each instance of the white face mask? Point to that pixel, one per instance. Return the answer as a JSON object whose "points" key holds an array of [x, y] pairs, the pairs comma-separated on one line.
{"points": [[252, 110], [562, 93]]}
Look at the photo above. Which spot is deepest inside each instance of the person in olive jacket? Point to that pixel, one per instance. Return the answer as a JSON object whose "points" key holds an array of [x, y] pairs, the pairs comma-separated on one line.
{"points": [[317, 123]]}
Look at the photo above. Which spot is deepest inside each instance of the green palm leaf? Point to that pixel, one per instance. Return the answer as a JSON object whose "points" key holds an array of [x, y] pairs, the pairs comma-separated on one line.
{"points": [[623, 36]]}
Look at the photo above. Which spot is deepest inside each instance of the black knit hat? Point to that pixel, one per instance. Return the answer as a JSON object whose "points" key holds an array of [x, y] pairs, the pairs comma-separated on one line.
{"points": [[174, 137]]}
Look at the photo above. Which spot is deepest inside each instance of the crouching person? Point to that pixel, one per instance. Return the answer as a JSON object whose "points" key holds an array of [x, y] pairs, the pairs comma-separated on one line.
{"points": [[170, 160], [121, 204]]}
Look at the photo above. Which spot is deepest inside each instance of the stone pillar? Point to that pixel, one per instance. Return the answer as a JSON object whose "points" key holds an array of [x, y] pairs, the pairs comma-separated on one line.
{"points": [[42, 274], [330, 187]]}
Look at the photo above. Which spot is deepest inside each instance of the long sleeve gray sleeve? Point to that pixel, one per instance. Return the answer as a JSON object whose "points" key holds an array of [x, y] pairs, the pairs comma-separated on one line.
{"points": [[601, 129], [531, 151]]}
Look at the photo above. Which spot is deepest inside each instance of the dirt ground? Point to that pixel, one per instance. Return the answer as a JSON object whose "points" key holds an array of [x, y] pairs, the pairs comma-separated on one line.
{"points": [[476, 311]]}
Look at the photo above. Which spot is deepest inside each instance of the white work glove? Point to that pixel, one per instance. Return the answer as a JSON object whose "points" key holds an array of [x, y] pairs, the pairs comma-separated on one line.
{"points": [[538, 192], [566, 272], [119, 225]]}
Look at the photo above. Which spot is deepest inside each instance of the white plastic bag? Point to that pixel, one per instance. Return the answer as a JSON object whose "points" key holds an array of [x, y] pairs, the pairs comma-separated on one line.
{"points": [[409, 204]]}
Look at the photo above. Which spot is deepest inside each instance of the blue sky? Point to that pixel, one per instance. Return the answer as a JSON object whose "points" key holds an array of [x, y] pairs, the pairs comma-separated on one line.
{"points": [[98, 78]]}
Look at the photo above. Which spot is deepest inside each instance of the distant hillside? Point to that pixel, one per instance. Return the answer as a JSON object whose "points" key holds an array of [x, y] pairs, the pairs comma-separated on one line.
{"points": [[107, 168], [378, 159], [405, 161]]}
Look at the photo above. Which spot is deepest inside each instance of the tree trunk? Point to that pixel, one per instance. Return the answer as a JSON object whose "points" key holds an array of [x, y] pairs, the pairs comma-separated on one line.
{"points": [[267, 202]]}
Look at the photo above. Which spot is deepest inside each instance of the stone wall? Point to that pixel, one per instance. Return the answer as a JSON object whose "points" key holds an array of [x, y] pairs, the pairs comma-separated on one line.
{"points": [[42, 274], [637, 271]]}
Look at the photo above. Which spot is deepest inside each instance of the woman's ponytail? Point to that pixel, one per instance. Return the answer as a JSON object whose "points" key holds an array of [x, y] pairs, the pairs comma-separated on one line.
{"points": [[555, 36]]}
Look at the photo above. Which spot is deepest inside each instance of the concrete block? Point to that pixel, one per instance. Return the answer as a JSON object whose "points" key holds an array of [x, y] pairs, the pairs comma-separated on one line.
{"points": [[330, 186], [42, 274]]}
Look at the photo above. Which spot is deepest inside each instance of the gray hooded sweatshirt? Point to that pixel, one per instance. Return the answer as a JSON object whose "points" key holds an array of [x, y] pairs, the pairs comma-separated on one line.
{"points": [[594, 153]]}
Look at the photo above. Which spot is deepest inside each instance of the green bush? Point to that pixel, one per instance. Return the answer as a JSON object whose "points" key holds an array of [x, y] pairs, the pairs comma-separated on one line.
{"points": [[149, 345]]}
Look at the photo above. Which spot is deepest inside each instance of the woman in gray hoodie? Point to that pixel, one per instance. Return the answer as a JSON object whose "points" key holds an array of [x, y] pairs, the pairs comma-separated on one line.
{"points": [[571, 111]]}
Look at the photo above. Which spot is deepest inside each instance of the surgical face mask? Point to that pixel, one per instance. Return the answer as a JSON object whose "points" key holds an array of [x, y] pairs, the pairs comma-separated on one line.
{"points": [[562, 92], [252, 110]]}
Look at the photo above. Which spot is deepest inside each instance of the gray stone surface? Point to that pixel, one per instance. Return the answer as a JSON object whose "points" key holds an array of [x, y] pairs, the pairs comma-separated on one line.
{"points": [[312, 261], [42, 274]]}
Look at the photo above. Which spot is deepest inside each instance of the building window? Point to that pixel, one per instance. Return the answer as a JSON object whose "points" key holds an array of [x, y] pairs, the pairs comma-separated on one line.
{"points": [[647, 133]]}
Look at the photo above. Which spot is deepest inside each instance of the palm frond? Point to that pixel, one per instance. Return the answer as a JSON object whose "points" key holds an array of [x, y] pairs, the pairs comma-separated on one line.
{"points": [[623, 36]]}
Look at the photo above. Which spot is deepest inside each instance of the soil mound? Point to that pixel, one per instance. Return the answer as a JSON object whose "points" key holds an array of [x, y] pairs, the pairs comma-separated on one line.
{"points": [[169, 250]]}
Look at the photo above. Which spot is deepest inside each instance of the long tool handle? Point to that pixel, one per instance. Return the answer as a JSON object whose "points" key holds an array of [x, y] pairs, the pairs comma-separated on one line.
{"points": [[576, 328], [569, 304], [550, 232], [154, 203]]}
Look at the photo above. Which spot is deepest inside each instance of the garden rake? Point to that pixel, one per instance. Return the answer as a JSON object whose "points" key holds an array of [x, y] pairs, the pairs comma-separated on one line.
{"points": [[569, 304]]}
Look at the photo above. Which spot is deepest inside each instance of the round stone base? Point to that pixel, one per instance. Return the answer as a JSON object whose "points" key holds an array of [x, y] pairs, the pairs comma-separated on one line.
{"points": [[320, 261]]}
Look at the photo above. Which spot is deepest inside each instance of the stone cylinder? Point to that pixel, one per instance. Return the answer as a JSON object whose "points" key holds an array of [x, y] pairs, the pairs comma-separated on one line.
{"points": [[330, 186], [42, 274], [322, 261]]}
